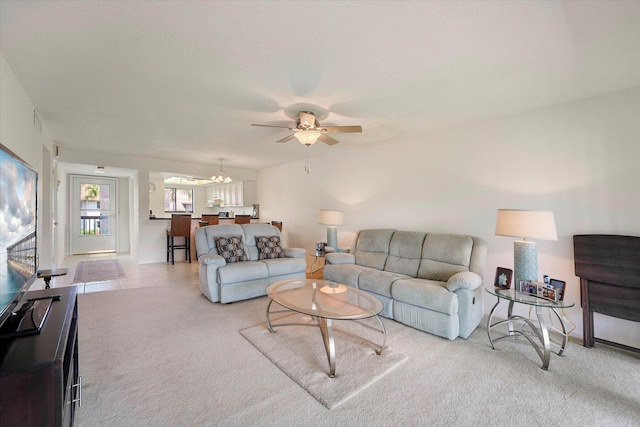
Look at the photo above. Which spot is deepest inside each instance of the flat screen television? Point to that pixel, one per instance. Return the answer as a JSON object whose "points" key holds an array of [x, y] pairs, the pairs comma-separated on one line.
{"points": [[18, 253]]}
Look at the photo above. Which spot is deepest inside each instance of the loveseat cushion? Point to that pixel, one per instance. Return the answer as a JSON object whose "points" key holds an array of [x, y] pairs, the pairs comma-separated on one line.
{"points": [[269, 247], [378, 282], [242, 272], [405, 252], [284, 266], [444, 255], [372, 248], [250, 232], [429, 294], [231, 248]]}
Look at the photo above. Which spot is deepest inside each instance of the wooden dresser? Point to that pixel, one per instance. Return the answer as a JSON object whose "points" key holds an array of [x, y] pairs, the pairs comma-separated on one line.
{"points": [[609, 271]]}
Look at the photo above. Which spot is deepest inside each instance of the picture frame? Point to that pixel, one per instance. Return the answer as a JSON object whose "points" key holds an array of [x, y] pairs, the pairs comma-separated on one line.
{"points": [[538, 289], [527, 287], [503, 278], [549, 293], [559, 286]]}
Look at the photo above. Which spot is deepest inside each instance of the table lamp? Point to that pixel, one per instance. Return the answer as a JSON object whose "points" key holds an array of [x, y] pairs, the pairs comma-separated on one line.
{"points": [[332, 219], [539, 225]]}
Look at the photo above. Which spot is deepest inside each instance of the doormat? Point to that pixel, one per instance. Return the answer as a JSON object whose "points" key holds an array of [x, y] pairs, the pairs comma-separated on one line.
{"points": [[98, 271]]}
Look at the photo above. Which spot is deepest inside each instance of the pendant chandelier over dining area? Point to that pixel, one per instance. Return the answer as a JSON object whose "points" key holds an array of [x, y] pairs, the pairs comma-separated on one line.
{"points": [[221, 178]]}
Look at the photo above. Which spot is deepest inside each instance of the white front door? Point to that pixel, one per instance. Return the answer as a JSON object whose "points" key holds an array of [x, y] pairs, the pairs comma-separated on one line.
{"points": [[93, 214]]}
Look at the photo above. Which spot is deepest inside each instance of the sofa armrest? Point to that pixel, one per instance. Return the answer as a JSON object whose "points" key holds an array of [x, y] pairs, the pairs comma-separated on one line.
{"points": [[464, 280], [209, 259], [339, 258], [294, 252]]}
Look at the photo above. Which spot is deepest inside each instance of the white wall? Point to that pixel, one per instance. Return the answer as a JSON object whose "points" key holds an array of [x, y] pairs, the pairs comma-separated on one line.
{"points": [[578, 159], [17, 132]]}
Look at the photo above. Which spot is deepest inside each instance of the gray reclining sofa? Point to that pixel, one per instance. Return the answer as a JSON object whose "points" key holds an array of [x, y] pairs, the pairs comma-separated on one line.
{"points": [[238, 280], [432, 282]]}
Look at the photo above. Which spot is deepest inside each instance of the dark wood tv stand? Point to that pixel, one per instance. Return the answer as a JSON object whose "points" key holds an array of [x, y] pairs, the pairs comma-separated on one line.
{"points": [[39, 379]]}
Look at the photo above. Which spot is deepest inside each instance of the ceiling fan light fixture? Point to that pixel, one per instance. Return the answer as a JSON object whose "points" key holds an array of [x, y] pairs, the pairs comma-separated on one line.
{"points": [[308, 137], [221, 178]]}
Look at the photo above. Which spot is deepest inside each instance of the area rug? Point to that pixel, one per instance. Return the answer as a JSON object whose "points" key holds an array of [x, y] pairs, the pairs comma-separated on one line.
{"points": [[98, 271], [299, 352]]}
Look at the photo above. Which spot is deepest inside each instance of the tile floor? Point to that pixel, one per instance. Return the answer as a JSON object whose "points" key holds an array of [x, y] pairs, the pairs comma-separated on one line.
{"points": [[136, 275]]}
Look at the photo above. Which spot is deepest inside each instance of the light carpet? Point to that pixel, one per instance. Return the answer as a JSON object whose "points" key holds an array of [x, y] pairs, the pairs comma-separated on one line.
{"points": [[299, 352], [167, 356], [98, 271]]}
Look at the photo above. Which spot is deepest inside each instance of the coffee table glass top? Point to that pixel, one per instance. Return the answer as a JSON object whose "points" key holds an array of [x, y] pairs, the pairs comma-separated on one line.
{"points": [[512, 295], [321, 298]]}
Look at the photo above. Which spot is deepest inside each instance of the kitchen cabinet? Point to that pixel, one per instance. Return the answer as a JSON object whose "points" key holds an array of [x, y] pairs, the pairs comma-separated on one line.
{"points": [[239, 193]]}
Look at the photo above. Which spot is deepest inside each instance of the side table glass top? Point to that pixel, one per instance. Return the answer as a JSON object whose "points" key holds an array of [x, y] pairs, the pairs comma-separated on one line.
{"points": [[512, 295], [322, 298]]}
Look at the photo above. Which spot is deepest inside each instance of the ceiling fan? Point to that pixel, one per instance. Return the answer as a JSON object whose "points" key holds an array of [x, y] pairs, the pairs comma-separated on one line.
{"points": [[308, 130]]}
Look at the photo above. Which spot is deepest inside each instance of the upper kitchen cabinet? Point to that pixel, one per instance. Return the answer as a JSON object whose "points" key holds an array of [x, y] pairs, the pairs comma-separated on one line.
{"points": [[238, 193]]}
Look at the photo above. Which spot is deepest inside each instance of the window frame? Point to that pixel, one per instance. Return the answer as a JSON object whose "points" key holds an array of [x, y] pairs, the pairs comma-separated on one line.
{"points": [[174, 201]]}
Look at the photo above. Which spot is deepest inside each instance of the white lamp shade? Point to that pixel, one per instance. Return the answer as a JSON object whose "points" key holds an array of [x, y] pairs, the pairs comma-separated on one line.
{"points": [[328, 217], [538, 225]]}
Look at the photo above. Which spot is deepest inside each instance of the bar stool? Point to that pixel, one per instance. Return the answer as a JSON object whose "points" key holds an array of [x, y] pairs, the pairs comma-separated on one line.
{"points": [[210, 219], [243, 219], [277, 224], [180, 227]]}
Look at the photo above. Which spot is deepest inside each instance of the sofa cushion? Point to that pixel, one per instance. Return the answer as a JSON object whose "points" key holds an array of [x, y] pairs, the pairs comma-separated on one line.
{"points": [[405, 252], [429, 294], [378, 282], [444, 255], [242, 272], [347, 274], [372, 248], [269, 247], [231, 248]]}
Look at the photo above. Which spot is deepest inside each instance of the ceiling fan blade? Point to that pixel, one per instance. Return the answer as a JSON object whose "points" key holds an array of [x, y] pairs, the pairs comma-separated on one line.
{"points": [[327, 139], [342, 129], [272, 126], [287, 138], [307, 119]]}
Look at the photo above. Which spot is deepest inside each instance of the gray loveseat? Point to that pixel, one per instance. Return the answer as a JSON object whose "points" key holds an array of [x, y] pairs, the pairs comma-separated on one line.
{"points": [[228, 282], [432, 282]]}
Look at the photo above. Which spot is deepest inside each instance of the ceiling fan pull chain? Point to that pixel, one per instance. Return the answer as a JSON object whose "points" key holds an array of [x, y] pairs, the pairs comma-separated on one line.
{"points": [[306, 167]]}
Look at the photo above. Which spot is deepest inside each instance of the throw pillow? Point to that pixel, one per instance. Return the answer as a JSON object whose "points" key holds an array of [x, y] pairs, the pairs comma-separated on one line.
{"points": [[231, 248], [269, 247]]}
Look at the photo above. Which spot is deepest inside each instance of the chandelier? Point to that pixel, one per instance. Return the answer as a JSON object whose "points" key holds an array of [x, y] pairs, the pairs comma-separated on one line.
{"points": [[221, 178]]}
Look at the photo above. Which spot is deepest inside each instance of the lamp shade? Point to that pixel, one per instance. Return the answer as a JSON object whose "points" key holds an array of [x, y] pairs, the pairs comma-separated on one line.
{"points": [[538, 225], [328, 217]]}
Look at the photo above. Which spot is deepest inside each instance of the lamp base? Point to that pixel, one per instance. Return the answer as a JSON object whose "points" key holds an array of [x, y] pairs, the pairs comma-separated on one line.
{"points": [[525, 261], [332, 237]]}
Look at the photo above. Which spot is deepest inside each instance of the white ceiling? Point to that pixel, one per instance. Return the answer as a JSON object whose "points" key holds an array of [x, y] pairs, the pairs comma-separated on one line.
{"points": [[184, 80]]}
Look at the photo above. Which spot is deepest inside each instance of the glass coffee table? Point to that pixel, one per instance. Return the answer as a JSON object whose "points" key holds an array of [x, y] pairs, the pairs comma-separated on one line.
{"points": [[325, 302], [541, 331]]}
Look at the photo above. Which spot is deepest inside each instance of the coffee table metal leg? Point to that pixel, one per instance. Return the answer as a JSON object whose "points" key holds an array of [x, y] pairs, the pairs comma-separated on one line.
{"points": [[329, 343], [268, 319], [384, 335]]}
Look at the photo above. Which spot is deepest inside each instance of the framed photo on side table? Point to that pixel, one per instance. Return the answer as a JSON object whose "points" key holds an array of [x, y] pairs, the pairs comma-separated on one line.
{"points": [[559, 286], [503, 278]]}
